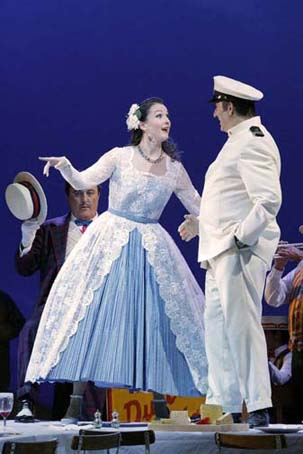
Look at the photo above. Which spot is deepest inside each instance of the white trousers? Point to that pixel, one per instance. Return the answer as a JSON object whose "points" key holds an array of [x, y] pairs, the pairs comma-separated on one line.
{"points": [[235, 341]]}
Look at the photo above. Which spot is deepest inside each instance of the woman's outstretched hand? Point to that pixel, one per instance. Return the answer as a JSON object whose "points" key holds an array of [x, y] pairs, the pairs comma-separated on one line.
{"points": [[189, 228], [52, 161]]}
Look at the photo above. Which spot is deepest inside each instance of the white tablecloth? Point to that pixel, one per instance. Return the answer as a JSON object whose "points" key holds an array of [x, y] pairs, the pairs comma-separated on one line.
{"points": [[166, 442]]}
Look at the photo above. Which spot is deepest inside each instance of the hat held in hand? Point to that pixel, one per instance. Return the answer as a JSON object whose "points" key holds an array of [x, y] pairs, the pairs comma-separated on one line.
{"points": [[25, 198]]}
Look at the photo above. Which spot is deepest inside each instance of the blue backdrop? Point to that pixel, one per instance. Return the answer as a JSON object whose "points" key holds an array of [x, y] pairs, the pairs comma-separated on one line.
{"points": [[70, 70]]}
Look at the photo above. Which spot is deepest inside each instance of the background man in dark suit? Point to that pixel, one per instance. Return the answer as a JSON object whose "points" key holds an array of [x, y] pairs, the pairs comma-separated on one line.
{"points": [[11, 322], [44, 249]]}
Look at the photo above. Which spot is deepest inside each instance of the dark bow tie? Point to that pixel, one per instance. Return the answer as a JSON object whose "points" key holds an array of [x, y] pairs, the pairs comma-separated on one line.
{"points": [[81, 222]]}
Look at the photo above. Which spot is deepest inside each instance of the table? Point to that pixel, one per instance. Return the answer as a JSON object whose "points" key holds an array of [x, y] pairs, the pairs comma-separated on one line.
{"points": [[166, 442]]}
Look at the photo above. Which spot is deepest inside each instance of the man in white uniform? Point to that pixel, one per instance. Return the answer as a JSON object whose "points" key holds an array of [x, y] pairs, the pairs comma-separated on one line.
{"points": [[238, 237]]}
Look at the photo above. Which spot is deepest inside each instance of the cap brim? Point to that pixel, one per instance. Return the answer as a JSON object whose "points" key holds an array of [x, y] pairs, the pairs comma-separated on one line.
{"points": [[26, 176], [219, 97]]}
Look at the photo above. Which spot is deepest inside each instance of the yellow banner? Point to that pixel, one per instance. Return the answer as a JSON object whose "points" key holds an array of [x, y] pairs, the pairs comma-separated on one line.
{"points": [[139, 407]]}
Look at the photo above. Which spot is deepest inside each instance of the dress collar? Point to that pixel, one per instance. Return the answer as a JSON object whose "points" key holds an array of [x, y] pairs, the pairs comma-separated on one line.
{"points": [[244, 126]]}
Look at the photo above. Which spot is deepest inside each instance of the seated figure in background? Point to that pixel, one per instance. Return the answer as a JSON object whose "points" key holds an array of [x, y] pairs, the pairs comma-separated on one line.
{"points": [[279, 355], [289, 290]]}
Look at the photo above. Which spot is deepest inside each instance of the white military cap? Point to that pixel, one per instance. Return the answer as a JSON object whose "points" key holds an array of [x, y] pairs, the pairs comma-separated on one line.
{"points": [[25, 198], [225, 87]]}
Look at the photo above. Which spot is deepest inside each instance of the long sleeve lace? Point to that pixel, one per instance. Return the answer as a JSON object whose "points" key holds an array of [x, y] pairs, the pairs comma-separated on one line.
{"points": [[186, 192], [93, 175]]}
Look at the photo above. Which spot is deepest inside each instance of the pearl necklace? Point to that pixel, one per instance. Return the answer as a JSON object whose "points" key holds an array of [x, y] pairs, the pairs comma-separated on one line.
{"points": [[147, 158]]}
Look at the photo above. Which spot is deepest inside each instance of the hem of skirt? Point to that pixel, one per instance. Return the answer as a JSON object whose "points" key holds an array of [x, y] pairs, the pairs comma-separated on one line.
{"points": [[105, 384]]}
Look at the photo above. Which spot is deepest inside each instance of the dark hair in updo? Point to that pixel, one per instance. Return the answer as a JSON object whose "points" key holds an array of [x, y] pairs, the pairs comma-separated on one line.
{"points": [[168, 146]]}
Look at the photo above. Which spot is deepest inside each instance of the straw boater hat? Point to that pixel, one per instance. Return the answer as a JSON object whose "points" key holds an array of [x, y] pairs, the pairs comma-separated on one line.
{"points": [[25, 198]]}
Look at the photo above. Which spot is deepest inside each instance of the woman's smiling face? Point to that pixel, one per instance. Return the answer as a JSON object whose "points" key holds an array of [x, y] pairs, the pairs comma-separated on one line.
{"points": [[157, 123]]}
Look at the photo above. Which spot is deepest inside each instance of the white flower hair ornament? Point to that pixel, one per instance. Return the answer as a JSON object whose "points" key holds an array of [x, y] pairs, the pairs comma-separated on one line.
{"points": [[133, 117]]}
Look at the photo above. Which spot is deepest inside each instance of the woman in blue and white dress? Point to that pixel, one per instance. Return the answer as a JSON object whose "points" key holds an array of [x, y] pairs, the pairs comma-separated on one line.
{"points": [[125, 310]]}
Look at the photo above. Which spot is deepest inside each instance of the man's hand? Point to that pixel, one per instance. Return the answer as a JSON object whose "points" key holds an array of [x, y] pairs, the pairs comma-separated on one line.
{"points": [[189, 228], [28, 230], [52, 161], [285, 253]]}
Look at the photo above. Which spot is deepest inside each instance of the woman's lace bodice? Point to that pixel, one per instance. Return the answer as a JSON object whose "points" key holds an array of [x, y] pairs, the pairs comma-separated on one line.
{"points": [[135, 191]]}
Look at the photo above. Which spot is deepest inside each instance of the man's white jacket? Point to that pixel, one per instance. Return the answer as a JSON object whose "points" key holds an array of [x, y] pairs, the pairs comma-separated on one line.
{"points": [[242, 195]]}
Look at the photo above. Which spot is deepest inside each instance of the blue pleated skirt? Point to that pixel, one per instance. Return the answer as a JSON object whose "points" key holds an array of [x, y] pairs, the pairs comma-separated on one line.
{"points": [[125, 339]]}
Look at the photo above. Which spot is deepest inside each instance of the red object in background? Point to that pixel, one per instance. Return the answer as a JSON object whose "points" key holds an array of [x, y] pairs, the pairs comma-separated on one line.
{"points": [[205, 420]]}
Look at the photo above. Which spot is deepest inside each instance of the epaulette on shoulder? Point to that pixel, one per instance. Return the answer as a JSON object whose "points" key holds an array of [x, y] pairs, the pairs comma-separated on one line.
{"points": [[256, 131]]}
